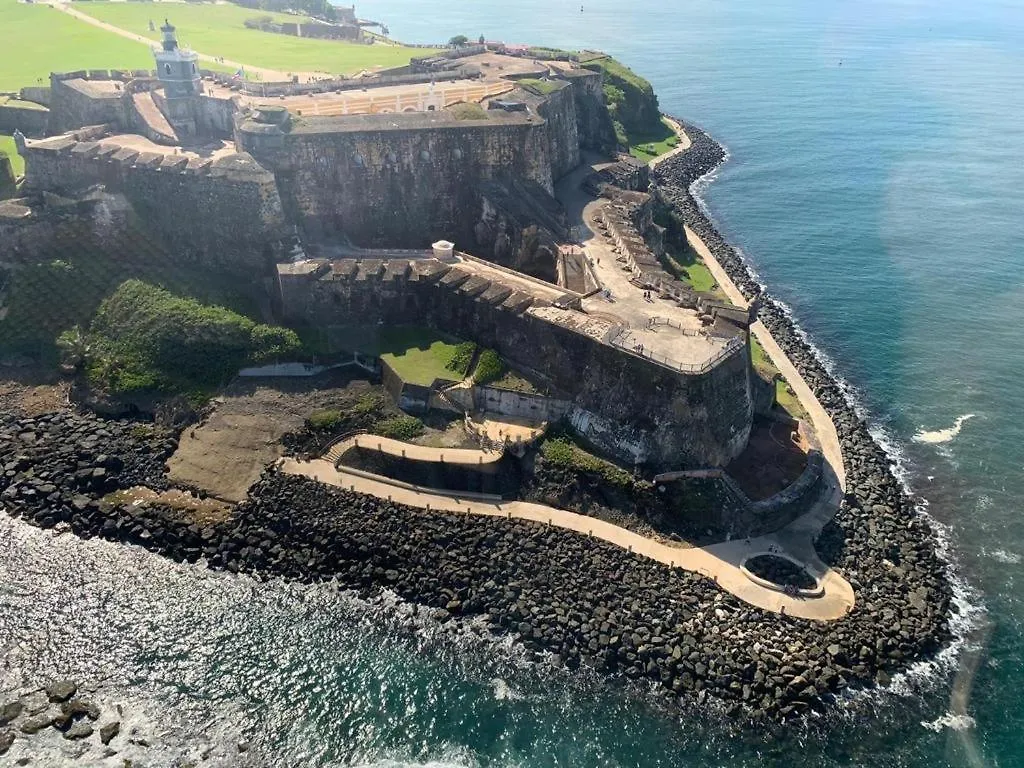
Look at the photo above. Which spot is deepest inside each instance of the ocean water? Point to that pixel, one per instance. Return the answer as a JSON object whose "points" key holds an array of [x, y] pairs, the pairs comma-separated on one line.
{"points": [[876, 182]]}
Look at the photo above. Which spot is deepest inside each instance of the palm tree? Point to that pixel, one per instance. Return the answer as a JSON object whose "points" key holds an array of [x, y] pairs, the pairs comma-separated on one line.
{"points": [[75, 349]]}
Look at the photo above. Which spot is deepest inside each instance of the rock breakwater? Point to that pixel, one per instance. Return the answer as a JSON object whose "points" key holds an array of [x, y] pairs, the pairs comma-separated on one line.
{"points": [[567, 597], [878, 540]]}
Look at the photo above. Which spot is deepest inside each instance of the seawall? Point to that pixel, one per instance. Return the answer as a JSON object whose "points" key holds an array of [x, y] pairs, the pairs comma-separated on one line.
{"points": [[877, 533]]}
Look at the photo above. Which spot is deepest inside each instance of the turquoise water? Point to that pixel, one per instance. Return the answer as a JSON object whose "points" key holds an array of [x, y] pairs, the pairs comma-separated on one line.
{"points": [[880, 197]]}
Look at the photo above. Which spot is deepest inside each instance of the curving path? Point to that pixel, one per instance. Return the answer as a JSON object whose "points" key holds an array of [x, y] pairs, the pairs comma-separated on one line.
{"points": [[720, 562], [462, 456]]}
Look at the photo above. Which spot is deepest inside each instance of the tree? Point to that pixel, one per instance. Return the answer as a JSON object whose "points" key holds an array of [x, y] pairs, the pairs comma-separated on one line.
{"points": [[74, 348], [482, 40], [458, 41]]}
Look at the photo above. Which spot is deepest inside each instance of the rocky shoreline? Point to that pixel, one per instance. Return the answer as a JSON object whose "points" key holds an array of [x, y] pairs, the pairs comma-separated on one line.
{"points": [[571, 599], [878, 538], [568, 598]]}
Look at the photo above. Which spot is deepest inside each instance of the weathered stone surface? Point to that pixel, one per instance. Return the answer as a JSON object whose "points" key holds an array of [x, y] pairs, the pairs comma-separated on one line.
{"points": [[60, 690], [109, 731]]}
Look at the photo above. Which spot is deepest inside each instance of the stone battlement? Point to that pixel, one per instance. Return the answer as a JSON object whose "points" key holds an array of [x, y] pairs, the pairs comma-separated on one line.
{"points": [[648, 411]]}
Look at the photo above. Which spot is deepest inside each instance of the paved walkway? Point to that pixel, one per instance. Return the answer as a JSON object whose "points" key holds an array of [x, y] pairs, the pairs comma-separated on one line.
{"points": [[797, 538], [462, 456], [720, 562]]}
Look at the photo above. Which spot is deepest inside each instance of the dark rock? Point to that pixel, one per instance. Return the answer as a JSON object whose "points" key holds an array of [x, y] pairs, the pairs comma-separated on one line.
{"points": [[36, 723], [80, 730], [10, 711], [109, 731], [61, 690]]}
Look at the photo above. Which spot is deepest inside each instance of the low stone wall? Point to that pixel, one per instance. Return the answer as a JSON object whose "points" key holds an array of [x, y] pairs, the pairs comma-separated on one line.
{"points": [[31, 122], [520, 404], [40, 94], [640, 410]]}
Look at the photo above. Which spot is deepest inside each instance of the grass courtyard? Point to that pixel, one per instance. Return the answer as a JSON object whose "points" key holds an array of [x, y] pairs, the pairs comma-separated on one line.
{"points": [[684, 264], [649, 146], [417, 355], [219, 30], [7, 148], [783, 396]]}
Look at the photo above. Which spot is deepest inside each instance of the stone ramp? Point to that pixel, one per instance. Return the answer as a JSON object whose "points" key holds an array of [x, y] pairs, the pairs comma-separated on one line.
{"points": [[154, 124], [467, 457]]}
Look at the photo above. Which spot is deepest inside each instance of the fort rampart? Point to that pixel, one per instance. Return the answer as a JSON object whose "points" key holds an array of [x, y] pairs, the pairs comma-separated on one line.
{"points": [[225, 209], [652, 413]]}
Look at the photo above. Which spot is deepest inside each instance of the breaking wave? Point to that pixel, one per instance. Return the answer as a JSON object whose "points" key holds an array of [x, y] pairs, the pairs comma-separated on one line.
{"points": [[943, 435]]}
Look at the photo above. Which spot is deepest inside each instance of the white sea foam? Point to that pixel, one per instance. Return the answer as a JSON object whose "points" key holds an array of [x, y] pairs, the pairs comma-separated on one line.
{"points": [[943, 435], [951, 721], [1002, 556], [503, 691]]}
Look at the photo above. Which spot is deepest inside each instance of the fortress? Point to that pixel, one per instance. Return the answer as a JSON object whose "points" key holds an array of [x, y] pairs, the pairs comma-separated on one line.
{"points": [[338, 188]]}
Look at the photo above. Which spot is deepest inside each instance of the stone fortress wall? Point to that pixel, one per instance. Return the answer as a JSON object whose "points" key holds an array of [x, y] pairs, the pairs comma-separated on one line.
{"points": [[224, 210], [406, 180], [631, 407], [402, 181], [393, 180]]}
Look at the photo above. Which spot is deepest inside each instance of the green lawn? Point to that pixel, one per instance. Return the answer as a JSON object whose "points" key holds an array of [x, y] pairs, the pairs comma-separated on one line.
{"points": [[684, 264], [417, 355], [219, 30], [649, 146], [37, 40], [786, 400], [7, 148]]}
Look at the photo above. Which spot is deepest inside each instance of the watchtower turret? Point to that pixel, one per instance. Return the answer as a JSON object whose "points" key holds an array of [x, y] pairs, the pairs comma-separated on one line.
{"points": [[176, 67]]}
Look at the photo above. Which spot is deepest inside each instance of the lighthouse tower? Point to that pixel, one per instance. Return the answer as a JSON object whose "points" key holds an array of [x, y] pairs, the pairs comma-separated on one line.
{"points": [[177, 70]]}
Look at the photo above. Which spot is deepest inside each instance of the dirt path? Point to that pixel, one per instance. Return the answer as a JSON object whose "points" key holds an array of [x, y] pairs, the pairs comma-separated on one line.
{"points": [[263, 72], [720, 562]]}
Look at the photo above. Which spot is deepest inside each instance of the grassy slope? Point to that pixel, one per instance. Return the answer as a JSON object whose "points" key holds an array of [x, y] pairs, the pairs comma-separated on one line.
{"points": [[648, 146], [219, 30], [37, 40], [417, 355], [786, 400], [7, 148]]}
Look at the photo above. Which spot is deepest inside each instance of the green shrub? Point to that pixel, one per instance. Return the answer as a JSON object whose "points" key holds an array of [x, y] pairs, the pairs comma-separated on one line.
{"points": [[467, 111], [145, 338], [368, 403], [400, 427], [461, 358], [489, 367], [324, 421], [562, 452]]}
